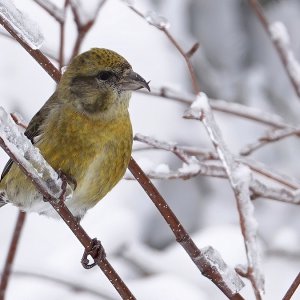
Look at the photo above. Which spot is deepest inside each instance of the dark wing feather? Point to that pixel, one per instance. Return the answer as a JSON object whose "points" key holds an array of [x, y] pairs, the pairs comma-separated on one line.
{"points": [[33, 128]]}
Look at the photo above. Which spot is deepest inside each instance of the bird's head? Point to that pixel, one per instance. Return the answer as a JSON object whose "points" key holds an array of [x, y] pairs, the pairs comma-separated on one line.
{"points": [[99, 83]]}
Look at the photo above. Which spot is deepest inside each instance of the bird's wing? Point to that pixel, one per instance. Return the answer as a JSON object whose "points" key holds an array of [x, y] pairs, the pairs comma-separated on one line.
{"points": [[33, 128]]}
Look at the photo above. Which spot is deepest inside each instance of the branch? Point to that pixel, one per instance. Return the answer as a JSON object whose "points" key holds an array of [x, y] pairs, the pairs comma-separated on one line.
{"points": [[292, 289], [240, 179], [270, 137], [11, 254], [280, 38], [83, 23], [207, 260], [193, 167], [235, 109]]}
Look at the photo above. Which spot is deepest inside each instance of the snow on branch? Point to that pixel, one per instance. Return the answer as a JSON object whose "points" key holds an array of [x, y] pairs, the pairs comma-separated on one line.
{"points": [[206, 163], [27, 30], [270, 137], [240, 179], [281, 41], [280, 36], [29, 157], [232, 108]]}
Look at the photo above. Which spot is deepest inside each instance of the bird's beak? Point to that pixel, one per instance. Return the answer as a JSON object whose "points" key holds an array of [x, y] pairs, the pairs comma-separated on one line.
{"points": [[133, 81]]}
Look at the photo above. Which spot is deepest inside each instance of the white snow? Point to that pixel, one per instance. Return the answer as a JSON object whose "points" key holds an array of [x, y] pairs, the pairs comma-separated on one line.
{"points": [[162, 168], [29, 156], [190, 168], [27, 29], [229, 276], [200, 103], [279, 33]]}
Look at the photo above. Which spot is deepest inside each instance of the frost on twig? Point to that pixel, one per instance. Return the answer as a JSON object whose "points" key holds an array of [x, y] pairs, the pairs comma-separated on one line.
{"points": [[270, 137], [15, 142], [27, 30], [280, 36], [240, 179]]}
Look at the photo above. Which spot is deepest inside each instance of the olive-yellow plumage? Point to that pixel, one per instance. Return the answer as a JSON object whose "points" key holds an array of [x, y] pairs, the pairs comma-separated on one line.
{"points": [[83, 130]]}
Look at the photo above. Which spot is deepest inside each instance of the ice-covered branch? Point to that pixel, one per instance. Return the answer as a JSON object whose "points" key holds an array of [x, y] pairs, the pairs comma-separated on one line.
{"points": [[240, 178], [26, 29], [229, 285], [281, 41], [232, 108], [270, 137], [54, 189], [206, 165]]}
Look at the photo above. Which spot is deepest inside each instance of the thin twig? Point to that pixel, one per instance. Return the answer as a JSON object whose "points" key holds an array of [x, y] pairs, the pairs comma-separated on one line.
{"points": [[235, 109], [278, 45], [11, 254], [270, 137], [292, 289], [83, 29], [185, 54]]}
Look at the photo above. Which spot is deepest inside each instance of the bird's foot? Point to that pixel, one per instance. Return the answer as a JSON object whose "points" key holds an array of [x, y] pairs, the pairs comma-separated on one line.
{"points": [[68, 178], [96, 251]]}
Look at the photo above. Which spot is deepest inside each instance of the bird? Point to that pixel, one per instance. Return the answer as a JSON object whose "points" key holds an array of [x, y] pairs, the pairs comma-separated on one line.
{"points": [[83, 131]]}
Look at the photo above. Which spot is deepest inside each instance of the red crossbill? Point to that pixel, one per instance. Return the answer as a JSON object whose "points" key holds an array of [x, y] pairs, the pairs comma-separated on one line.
{"points": [[83, 131]]}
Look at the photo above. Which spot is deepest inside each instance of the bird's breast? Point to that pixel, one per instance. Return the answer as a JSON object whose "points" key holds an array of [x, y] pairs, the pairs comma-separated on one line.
{"points": [[95, 153]]}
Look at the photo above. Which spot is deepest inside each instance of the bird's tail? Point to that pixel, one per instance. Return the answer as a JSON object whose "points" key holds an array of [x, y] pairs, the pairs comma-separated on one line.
{"points": [[3, 198]]}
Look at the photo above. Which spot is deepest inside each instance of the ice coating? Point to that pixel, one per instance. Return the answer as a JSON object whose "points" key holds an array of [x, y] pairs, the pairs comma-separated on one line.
{"points": [[26, 29], [29, 157], [158, 21]]}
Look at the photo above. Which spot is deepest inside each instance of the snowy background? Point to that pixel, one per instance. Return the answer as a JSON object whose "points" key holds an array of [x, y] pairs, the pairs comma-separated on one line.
{"points": [[236, 62]]}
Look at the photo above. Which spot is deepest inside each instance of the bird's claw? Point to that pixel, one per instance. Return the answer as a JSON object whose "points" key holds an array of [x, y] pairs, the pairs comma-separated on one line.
{"points": [[96, 251], [68, 178]]}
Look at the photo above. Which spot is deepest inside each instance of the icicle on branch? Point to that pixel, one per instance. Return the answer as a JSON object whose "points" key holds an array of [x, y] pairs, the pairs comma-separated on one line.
{"points": [[240, 178], [236, 109], [26, 29]]}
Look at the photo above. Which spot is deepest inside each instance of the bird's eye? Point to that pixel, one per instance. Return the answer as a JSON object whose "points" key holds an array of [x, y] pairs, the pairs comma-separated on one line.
{"points": [[105, 75]]}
